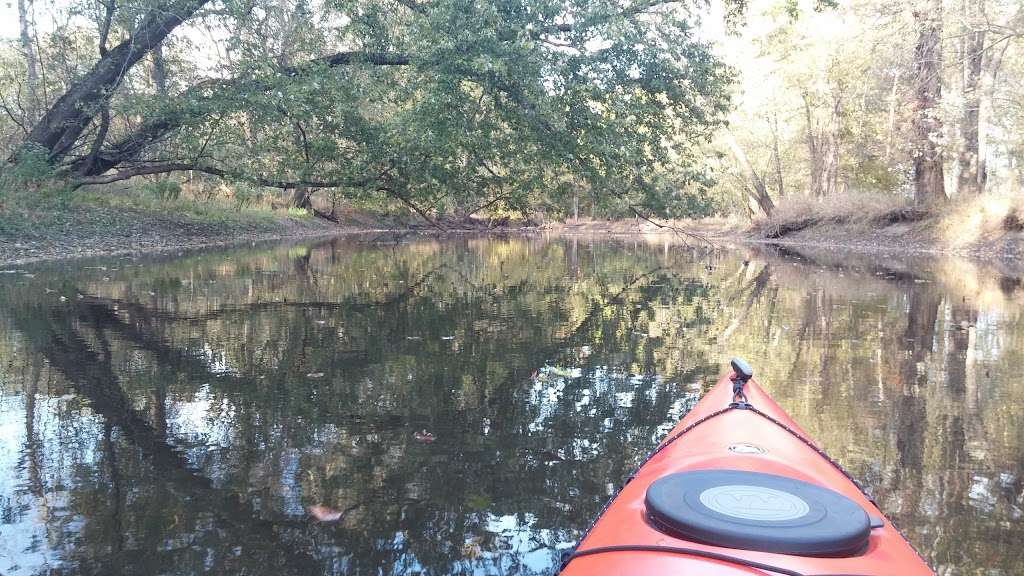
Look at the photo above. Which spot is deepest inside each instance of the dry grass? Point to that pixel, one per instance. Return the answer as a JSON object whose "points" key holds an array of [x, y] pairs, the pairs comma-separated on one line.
{"points": [[986, 225], [981, 219], [865, 210]]}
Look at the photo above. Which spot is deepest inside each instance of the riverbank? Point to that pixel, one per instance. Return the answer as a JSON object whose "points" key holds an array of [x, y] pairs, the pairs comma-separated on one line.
{"points": [[140, 219], [990, 227], [987, 228], [51, 228]]}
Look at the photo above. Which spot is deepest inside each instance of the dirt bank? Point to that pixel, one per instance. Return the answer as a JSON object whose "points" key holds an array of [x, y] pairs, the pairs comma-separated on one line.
{"points": [[92, 230], [89, 228], [987, 227], [989, 231], [149, 240], [924, 237], [967, 234], [690, 231]]}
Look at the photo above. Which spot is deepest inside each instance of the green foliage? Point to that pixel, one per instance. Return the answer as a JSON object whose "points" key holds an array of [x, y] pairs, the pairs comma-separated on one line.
{"points": [[247, 195], [497, 101], [821, 83], [30, 172], [793, 8], [164, 190]]}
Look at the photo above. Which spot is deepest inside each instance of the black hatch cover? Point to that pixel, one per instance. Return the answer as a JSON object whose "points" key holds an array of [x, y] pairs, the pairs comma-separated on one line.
{"points": [[756, 511]]}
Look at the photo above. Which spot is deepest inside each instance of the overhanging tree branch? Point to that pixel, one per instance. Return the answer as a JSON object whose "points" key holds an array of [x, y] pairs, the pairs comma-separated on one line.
{"points": [[195, 104], [67, 118], [684, 234], [350, 57], [166, 167]]}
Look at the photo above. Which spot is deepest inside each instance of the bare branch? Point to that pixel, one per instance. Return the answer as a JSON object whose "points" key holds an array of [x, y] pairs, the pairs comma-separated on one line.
{"points": [[62, 125], [405, 200], [684, 234], [487, 204], [10, 114]]}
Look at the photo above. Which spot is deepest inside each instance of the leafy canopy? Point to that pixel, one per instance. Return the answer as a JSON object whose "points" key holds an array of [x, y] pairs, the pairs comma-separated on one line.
{"points": [[446, 103]]}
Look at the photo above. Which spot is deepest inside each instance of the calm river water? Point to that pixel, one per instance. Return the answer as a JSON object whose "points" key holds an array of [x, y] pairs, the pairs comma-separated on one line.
{"points": [[466, 406]]}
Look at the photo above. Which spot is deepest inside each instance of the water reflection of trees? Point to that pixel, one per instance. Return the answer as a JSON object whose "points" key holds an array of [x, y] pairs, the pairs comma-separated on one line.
{"points": [[454, 353], [912, 390], [545, 368]]}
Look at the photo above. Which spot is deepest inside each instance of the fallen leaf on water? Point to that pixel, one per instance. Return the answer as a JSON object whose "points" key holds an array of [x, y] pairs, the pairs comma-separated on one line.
{"points": [[424, 436], [324, 513], [315, 375]]}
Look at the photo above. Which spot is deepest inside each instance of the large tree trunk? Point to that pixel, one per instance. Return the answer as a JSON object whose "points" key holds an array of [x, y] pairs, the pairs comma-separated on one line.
{"points": [[64, 122], [970, 180], [31, 62], [929, 182], [302, 198]]}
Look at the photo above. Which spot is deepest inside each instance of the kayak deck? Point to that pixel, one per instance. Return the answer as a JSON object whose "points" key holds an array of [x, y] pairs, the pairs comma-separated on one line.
{"points": [[758, 439]]}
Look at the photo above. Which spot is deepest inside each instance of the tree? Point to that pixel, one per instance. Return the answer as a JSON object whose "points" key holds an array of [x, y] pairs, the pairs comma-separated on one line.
{"points": [[29, 51], [807, 104], [57, 132], [442, 105], [823, 143], [929, 183], [971, 179], [755, 185]]}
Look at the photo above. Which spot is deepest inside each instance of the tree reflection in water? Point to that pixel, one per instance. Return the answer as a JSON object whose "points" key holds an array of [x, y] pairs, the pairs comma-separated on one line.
{"points": [[180, 414]]}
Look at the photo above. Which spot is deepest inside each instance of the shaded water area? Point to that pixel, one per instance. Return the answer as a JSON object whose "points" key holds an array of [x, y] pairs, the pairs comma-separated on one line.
{"points": [[179, 415]]}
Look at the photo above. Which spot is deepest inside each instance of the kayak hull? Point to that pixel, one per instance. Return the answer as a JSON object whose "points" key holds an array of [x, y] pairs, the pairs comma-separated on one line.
{"points": [[714, 436]]}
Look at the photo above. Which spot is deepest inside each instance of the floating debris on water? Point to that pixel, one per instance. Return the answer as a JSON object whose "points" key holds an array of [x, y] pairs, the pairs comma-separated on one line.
{"points": [[424, 436], [325, 513]]}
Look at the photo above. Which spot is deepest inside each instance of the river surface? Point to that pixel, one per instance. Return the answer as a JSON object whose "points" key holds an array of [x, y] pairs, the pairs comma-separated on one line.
{"points": [[466, 406]]}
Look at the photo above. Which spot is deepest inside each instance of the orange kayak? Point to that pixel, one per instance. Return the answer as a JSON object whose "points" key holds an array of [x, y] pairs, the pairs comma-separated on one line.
{"points": [[737, 488]]}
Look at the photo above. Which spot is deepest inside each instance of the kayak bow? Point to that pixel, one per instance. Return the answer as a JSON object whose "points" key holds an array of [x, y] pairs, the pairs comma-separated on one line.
{"points": [[737, 488]]}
